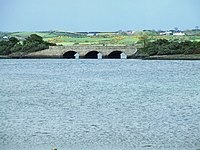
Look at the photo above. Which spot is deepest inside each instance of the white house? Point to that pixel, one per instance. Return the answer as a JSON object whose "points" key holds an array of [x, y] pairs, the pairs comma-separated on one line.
{"points": [[166, 33], [179, 33], [5, 38], [92, 34]]}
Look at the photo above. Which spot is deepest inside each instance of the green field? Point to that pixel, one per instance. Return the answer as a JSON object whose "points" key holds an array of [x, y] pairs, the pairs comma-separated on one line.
{"points": [[113, 39], [26, 34], [103, 38]]}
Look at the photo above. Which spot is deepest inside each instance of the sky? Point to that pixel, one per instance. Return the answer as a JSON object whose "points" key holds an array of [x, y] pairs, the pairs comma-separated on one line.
{"points": [[98, 15]]}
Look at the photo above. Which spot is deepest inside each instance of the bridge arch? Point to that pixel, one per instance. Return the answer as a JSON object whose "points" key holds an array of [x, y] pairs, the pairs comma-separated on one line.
{"points": [[92, 55], [69, 54], [116, 54]]}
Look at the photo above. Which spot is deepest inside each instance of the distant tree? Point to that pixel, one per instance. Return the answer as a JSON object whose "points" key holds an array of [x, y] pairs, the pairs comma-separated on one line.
{"points": [[144, 39], [49, 44], [13, 40], [33, 43], [35, 37], [165, 47], [17, 47], [176, 29]]}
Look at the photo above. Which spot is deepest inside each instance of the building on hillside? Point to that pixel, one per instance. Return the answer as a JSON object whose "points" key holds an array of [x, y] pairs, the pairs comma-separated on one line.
{"points": [[166, 33], [178, 33], [92, 34], [129, 32], [5, 38]]}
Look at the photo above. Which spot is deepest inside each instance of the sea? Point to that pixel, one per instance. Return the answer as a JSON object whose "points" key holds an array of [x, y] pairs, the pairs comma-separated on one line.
{"points": [[106, 104]]}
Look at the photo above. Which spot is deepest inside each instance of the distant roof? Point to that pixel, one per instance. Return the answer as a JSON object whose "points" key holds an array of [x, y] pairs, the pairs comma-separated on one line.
{"points": [[5, 37]]}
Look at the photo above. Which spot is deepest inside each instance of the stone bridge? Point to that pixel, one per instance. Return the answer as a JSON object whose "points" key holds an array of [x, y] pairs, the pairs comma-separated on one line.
{"points": [[86, 52]]}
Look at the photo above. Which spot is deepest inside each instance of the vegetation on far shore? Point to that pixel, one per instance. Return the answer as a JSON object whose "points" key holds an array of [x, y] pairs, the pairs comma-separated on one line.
{"points": [[166, 47], [149, 43], [32, 43]]}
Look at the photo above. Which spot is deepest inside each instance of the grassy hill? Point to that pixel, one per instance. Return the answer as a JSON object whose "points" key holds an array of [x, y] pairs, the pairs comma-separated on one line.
{"points": [[102, 38]]}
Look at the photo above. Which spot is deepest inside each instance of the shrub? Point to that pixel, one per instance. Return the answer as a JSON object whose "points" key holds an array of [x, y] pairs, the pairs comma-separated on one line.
{"points": [[165, 47], [31, 44]]}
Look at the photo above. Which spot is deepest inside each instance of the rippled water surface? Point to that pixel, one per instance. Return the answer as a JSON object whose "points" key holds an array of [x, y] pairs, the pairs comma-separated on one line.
{"points": [[99, 104]]}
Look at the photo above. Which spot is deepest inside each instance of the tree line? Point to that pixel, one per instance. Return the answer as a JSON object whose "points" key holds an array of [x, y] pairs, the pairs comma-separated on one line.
{"points": [[32, 43], [166, 47]]}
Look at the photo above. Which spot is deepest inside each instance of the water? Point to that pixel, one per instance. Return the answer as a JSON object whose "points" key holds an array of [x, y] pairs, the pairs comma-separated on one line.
{"points": [[99, 104]]}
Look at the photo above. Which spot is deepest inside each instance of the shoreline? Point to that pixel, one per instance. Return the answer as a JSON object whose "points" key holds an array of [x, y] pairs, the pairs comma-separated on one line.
{"points": [[173, 57], [156, 57]]}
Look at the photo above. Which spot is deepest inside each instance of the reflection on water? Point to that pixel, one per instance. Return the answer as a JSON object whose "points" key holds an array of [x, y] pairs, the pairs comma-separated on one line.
{"points": [[99, 104]]}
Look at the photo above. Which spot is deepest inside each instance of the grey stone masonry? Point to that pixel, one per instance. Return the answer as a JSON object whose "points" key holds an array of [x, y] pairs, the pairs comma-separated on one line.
{"points": [[59, 51]]}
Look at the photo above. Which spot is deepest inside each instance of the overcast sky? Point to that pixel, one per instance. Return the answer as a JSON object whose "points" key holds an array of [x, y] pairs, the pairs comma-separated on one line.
{"points": [[98, 15]]}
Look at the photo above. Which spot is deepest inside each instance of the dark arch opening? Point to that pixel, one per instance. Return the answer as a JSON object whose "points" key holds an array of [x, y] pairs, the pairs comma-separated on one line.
{"points": [[69, 54], [115, 54], [92, 55]]}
